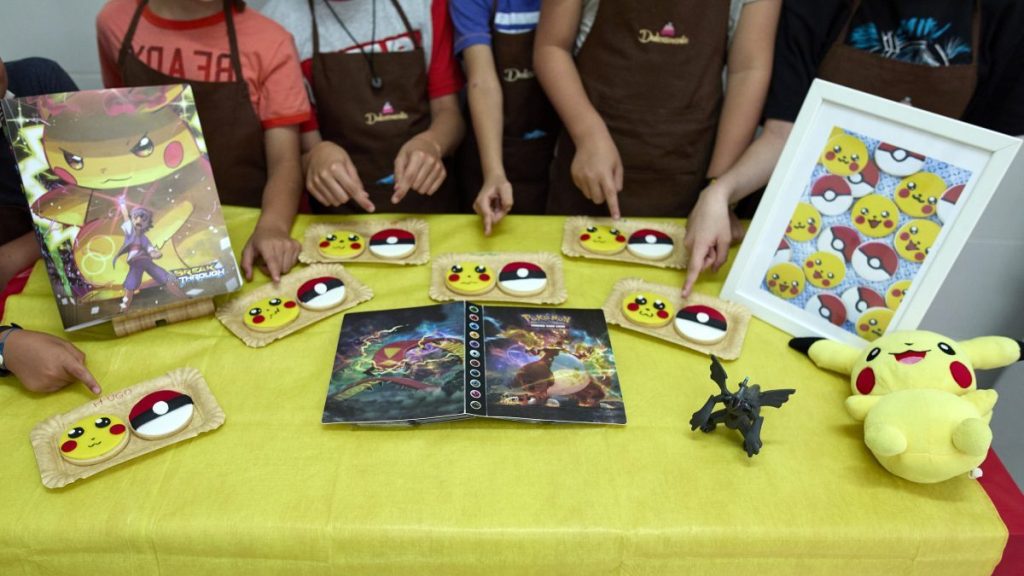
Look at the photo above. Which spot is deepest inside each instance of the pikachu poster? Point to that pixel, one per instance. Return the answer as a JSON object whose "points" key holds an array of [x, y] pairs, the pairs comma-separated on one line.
{"points": [[123, 199]]}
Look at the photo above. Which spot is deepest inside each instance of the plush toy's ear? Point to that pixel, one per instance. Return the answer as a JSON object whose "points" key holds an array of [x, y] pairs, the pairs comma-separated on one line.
{"points": [[859, 406], [827, 354], [988, 352]]}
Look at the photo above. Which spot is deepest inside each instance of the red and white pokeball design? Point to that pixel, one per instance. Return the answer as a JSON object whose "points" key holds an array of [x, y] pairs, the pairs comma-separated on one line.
{"points": [[898, 161], [828, 307], [393, 243], [321, 293], [863, 183], [701, 324], [650, 244], [783, 253], [841, 240], [860, 298], [875, 261], [161, 414], [522, 279], [948, 203], [831, 195]]}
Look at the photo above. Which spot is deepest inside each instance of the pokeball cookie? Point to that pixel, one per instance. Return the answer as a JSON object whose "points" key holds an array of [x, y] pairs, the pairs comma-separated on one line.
{"points": [[831, 195], [827, 307], [898, 161], [875, 216], [701, 324], [321, 293], [844, 154], [873, 323], [918, 195], [863, 183], [915, 239], [824, 269], [271, 314], [161, 414], [842, 240], [804, 224], [602, 240], [469, 278], [895, 294], [875, 261], [341, 245], [783, 253], [647, 310], [947, 204], [861, 298], [785, 280], [93, 439], [650, 244], [522, 279], [392, 243]]}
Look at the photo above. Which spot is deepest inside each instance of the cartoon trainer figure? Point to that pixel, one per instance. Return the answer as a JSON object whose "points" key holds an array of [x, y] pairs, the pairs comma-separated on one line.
{"points": [[140, 254]]}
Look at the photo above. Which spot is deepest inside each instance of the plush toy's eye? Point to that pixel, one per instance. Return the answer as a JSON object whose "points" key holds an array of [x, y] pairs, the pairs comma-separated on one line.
{"points": [[457, 269], [255, 311], [874, 354], [73, 160], [947, 348]]}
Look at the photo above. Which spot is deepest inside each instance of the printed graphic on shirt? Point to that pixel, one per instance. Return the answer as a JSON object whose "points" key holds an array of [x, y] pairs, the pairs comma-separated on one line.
{"points": [[666, 35], [921, 41], [387, 114]]}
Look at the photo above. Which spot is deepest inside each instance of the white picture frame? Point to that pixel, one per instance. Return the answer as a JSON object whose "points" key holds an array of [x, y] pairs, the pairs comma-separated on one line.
{"points": [[965, 157]]}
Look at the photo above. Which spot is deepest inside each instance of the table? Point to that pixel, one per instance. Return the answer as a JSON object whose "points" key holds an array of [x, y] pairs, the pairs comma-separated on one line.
{"points": [[274, 491]]}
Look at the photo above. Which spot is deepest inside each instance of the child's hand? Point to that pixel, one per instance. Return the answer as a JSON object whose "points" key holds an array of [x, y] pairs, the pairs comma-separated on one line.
{"points": [[418, 167], [597, 171], [493, 202], [275, 247], [332, 178], [709, 231], [45, 363]]}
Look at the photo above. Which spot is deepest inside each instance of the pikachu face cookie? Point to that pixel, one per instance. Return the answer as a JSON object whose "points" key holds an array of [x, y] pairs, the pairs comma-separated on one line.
{"points": [[844, 154], [648, 310], [469, 278], [271, 314], [804, 224], [875, 216], [341, 245], [602, 240], [785, 280], [93, 439], [918, 195]]}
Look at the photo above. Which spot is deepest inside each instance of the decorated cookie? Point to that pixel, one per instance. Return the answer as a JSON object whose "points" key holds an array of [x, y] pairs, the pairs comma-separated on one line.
{"points": [[895, 294], [828, 307], [875, 261], [647, 309], [341, 245], [873, 323], [863, 183], [93, 439], [701, 324], [783, 253], [918, 195], [161, 414], [844, 154], [804, 224], [824, 269], [469, 278], [602, 240], [522, 279], [785, 280], [915, 239], [831, 195], [271, 314], [948, 203], [860, 298], [898, 161], [650, 244], [875, 216], [841, 240], [321, 293], [392, 243]]}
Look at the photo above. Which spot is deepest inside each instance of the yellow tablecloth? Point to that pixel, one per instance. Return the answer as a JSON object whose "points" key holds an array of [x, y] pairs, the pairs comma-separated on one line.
{"points": [[273, 491]]}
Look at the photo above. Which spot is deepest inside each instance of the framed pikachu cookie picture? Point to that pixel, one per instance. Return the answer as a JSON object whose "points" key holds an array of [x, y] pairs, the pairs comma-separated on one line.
{"points": [[865, 214]]}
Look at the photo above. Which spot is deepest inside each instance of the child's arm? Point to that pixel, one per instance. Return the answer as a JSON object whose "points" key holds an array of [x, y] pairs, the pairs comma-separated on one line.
{"points": [[418, 164], [494, 199], [597, 167], [330, 175], [271, 241], [45, 363]]}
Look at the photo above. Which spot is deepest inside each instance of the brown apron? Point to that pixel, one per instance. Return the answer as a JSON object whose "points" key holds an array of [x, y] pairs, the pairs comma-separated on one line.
{"points": [[530, 126], [231, 128], [944, 90], [372, 124], [653, 71]]}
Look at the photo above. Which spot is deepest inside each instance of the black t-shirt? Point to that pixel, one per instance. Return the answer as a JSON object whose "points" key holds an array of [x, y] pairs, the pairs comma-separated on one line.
{"points": [[925, 32]]}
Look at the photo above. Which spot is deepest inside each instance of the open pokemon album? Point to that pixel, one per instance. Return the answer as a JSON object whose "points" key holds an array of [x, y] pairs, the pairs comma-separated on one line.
{"points": [[462, 360], [122, 199]]}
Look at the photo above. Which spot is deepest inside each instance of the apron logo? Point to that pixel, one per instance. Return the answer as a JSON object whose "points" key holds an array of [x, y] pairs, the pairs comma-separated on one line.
{"points": [[387, 113], [667, 35], [516, 74]]}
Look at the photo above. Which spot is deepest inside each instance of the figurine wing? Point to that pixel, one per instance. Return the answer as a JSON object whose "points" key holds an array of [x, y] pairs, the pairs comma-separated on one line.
{"points": [[718, 375], [776, 398]]}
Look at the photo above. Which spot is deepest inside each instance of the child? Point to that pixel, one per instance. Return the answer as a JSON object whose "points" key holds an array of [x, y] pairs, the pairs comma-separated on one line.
{"points": [[384, 83], [42, 363], [514, 124], [641, 100], [960, 59], [248, 89]]}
